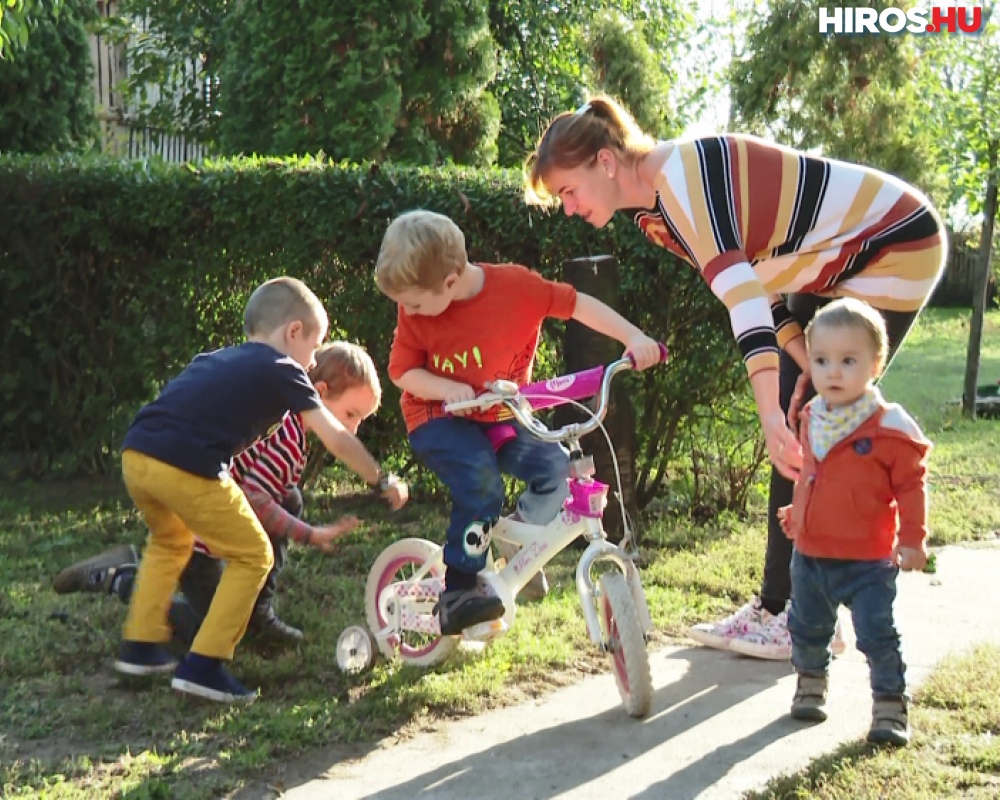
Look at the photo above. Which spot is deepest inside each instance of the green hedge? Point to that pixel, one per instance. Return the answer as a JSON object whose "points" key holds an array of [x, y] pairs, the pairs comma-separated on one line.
{"points": [[115, 273]]}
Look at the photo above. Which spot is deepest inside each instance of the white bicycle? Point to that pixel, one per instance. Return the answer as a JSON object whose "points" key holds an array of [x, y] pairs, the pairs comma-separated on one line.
{"points": [[407, 577]]}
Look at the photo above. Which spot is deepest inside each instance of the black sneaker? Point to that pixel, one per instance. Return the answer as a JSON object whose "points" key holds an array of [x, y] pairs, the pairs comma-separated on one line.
{"points": [[268, 625], [96, 573], [206, 677], [144, 658], [459, 609]]}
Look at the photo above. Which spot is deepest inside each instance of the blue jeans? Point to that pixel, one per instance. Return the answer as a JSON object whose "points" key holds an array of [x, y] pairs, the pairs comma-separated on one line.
{"points": [[868, 588], [459, 453]]}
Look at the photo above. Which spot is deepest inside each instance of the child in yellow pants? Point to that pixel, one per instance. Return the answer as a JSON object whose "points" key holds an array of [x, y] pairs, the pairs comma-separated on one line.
{"points": [[175, 461]]}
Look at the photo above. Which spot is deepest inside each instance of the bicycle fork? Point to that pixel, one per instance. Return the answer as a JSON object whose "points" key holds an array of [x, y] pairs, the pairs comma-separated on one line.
{"points": [[600, 549]]}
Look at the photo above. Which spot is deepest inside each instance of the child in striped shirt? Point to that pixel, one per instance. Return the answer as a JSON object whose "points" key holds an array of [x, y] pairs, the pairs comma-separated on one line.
{"points": [[269, 472]]}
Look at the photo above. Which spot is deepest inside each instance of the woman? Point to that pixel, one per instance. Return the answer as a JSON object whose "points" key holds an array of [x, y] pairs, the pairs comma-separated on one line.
{"points": [[776, 233]]}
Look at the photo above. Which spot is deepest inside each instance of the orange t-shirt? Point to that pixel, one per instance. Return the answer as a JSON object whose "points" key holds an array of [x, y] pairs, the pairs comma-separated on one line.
{"points": [[484, 338]]}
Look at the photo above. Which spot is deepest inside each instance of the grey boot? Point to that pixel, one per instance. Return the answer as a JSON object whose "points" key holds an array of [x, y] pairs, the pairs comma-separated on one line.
{"points": [[268, 625], [810, 698], [890, 721], [95, 574]]}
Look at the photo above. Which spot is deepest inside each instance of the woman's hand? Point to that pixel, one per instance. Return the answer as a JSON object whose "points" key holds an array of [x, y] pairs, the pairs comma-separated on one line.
{"points": [[801, 387], [782, 446]]}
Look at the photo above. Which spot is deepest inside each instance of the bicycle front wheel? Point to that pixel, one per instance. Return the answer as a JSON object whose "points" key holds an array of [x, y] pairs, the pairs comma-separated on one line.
{"points": [[626, 645]]}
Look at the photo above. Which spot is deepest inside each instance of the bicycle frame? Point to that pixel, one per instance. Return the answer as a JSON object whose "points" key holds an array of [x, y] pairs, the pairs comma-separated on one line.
{"points": [[582, 515]]}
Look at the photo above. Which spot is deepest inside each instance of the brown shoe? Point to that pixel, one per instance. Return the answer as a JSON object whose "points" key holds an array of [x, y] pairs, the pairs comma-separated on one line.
{"points": [[96, 573], [890, 721], [810, 698]]}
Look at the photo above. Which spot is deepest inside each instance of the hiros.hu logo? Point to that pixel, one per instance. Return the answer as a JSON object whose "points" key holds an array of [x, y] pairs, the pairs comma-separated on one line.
{"points": [[970, 20]]}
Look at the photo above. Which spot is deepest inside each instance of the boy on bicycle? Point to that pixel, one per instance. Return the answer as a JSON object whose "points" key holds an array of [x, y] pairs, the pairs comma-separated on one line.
{"points": [[459, 326]]}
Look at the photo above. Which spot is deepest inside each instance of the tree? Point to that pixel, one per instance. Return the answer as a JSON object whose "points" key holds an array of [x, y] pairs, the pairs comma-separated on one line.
{"points": [[553, 52], [961, 80], [384, 79], [855, 97], [13, 25], [46, 94], [627, 68]]}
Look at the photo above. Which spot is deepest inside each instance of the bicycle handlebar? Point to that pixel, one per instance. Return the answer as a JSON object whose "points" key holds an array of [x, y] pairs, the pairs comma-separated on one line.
{"points": [[522, 401]]}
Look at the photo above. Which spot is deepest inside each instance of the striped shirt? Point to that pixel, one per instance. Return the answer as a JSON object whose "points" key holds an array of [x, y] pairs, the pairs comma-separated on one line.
{"points": [[760, 220], [267, 472]]}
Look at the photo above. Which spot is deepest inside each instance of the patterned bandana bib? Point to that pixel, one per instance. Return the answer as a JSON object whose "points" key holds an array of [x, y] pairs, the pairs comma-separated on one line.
{"points": [[827, 426]]}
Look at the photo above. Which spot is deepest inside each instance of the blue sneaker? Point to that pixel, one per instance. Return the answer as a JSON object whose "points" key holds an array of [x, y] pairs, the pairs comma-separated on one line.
{"points": [[206, 677], [144, 658]]}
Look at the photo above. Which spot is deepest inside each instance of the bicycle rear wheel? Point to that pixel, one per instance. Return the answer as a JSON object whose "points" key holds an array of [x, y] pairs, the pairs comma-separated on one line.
{"points": [[397, 563]]}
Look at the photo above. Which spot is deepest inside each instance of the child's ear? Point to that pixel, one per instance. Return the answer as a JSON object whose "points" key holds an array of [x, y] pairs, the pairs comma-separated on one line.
{"points": [[450, 281], [321, 387], [295, 328]]}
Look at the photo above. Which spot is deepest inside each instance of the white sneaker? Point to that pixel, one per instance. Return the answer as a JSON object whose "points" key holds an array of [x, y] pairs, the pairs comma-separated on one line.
{"points": [[769, 639], [720, 634], [772, 640]]}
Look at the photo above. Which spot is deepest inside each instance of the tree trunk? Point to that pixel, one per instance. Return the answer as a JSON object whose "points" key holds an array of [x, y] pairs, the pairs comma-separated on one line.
{"points": [[598, 277], [981, 287]]}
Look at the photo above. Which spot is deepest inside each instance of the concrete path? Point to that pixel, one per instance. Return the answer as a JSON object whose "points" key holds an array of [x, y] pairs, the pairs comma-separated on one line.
{"points": [[718, 727]]}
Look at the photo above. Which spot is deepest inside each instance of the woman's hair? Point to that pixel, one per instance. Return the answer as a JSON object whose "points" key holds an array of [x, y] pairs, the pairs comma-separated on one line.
{"points": [[342, 366], [576, 137], [851, 313]]}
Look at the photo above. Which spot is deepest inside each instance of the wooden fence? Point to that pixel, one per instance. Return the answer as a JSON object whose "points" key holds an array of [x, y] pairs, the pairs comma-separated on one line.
{"points": [[958, 282], [121, 135]]}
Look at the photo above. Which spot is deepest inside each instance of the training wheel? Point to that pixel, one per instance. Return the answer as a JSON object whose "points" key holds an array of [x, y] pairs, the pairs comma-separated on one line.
{"points": [[355, 649]]}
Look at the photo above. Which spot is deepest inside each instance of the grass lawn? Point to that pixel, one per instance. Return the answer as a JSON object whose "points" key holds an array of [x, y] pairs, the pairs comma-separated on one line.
{"points": [[955, 750], [70, 728]]}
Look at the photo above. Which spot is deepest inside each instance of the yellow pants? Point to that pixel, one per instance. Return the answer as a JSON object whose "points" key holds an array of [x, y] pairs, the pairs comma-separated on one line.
{"points": [[176, 505]]}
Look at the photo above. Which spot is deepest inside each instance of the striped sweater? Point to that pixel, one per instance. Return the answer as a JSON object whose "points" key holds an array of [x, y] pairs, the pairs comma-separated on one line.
{"points": [[760, 220], [267, 472]]}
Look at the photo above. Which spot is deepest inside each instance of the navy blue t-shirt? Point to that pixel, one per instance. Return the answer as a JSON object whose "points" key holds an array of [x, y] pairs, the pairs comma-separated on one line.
{"points": [[219, 405]]}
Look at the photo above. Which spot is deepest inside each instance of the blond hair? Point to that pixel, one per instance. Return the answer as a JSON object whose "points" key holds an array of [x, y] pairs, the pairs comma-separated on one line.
{"points": [[419, 250], [576, 137], [280, 301], [848, 312], [342, 366]]}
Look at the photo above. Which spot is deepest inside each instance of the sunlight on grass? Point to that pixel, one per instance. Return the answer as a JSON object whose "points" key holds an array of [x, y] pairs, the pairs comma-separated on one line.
{"points": [[928, 373], [73, 729], [955, 750]]}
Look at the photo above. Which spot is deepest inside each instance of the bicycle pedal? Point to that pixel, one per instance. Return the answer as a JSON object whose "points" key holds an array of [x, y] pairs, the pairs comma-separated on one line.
{"points": [[485, 631]]}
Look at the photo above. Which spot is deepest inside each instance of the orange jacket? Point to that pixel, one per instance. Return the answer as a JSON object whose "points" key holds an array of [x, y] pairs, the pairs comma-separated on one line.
{"points": [[871, 486]]}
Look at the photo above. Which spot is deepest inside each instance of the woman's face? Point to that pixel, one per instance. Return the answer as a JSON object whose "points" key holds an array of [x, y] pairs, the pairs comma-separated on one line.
{"points": [[589, 190]]}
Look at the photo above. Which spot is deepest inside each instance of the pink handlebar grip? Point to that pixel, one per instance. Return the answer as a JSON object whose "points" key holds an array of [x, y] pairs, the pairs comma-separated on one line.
{"points": [[664, 354]]}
